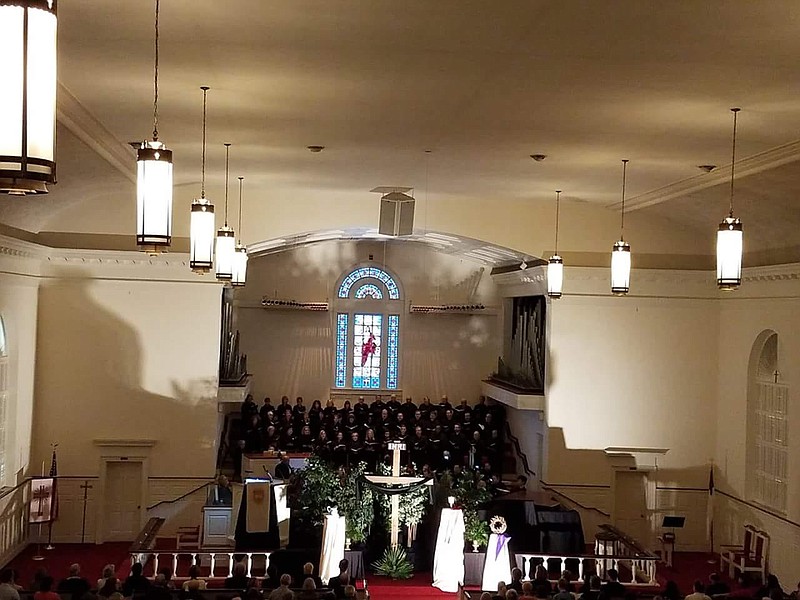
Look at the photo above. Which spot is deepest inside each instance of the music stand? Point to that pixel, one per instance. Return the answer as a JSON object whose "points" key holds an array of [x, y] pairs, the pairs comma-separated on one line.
{"points": [[667, 539]]}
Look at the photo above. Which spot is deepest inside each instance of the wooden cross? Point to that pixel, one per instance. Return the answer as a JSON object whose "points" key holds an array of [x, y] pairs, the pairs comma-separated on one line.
{"points": [[396, 479]]}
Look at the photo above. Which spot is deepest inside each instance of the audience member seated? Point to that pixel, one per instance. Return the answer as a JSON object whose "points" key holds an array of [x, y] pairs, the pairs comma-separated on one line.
{"points": [[516, 578], [511, 594], [308, 591], [563, 591], [46, 590], [74, 585], [502, 588], [194, 582], [698, 593], [108, 572], [486, 596], [541, 583], [8, 591], [716, 586], [349, 592], [159, 590], [612, 588], [308, 573], [527, 589], [136, 583], [342, 580], [744, 587], [239, 580], [282, 592]]}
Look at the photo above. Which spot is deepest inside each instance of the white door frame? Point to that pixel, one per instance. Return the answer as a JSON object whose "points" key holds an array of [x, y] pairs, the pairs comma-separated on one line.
{"points": [[649, 497], [144, 462]]}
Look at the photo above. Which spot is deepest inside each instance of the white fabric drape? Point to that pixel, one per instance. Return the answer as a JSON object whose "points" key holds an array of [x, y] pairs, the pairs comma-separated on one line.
{"points": [[238, 491], [448, 560], [333, 540], [497, 566], [282, 511]]}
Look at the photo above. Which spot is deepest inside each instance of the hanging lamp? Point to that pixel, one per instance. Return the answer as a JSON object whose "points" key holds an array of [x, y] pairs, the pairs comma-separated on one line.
{"points": [[555, 266], [226, 240], [28, 30], [154, 181], [730, 236], [240, 253], [621, 252], [201, 224]]}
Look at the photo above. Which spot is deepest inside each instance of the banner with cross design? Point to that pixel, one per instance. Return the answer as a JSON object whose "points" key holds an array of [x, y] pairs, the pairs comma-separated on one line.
{"points": [[42, 505]]}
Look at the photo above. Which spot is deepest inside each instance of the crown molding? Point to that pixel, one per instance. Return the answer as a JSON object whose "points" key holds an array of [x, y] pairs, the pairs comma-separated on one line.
{"points": [[758, 163], [786, 272], [87, 128]]}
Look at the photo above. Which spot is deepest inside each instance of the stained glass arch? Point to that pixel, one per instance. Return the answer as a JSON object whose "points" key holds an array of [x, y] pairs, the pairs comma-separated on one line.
{"points": [[376, 273]]}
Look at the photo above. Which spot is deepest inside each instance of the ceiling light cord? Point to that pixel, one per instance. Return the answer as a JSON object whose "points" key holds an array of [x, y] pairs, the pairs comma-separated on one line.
{"points": [[227, 171], [155, 80], [624, 181], [203, 160], [735, 112], [241, 179], [558, 205]]}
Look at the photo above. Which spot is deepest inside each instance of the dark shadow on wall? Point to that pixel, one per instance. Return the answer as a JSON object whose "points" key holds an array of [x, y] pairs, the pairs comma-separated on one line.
{"points": [[90, 373]]}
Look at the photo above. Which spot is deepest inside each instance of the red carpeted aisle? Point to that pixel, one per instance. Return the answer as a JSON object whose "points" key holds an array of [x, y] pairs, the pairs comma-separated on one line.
{"points": [[91, 557], [419, 586]]}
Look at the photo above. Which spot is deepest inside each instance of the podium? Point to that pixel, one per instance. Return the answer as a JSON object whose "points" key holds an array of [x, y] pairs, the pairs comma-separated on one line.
{"points": [[263, 517]]}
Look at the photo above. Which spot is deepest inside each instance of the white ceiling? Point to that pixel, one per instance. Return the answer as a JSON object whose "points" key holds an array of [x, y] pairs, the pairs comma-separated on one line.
{"points": [[482, 84]]}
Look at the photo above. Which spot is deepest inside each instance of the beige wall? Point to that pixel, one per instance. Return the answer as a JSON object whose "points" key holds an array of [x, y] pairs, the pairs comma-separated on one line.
{"points": [[291, 352]]}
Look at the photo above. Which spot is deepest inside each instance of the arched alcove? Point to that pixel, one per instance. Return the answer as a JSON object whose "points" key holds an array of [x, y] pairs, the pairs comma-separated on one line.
{"points": [[767, 425]]}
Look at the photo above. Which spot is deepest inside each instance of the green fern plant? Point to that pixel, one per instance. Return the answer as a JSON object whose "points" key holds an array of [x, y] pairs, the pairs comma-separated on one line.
{"points": [[394, 563]]}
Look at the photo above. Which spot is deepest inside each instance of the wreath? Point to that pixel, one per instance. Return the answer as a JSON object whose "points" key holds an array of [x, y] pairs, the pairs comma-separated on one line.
{"points": [[498, 525]]}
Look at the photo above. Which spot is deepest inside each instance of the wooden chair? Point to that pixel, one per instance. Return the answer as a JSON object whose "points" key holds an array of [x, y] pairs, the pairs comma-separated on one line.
{"points": [[751, 557]]}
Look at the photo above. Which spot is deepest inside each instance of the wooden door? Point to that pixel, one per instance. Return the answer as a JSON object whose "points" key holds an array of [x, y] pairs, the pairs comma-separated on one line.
{"points": [[122, 503], [630, 505]]}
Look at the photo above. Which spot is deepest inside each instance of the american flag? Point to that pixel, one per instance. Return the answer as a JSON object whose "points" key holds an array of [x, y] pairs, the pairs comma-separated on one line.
{"points": [[54, 475]]}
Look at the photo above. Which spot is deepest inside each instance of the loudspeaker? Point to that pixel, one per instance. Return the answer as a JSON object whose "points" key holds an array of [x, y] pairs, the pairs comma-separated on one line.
{"points": [[397, 214]]}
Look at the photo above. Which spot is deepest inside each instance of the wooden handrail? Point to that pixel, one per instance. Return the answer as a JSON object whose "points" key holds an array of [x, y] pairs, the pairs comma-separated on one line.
{"points": [[519, 451], [179, 498], [548, 486], [10, 491]]}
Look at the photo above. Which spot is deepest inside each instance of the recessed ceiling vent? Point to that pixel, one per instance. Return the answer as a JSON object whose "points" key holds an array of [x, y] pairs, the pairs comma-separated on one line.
{"points": [[397, 210]]}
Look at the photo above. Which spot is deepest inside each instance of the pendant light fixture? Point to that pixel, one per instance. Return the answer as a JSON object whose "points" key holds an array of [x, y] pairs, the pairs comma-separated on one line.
{"points": [[730, 236], [621, 252], [226, 240], [555, 266], [201, 224], [27, 96], [154, 181], [240, 254]]}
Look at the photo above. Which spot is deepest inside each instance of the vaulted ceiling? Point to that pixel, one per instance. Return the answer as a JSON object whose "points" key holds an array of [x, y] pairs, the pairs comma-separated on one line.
{"points": [[483, 85]]}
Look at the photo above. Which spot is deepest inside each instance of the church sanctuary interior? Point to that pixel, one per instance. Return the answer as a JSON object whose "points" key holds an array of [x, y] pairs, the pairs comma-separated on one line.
{"points": [[440, 289]]}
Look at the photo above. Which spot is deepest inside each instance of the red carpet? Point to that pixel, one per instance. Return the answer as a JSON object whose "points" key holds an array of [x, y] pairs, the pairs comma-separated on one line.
{"points": [[91, 557], [419, 586]]}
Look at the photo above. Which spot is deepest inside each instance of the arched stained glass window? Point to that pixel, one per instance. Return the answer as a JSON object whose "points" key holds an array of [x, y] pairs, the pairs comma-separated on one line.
{"points": [[369, 290], [368, 331], [371, 273]]}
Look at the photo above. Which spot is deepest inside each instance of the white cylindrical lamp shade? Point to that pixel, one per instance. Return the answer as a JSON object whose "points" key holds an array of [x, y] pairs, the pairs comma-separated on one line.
{"points": [[730, 244], [239, 276], [620, 268], [226, 248], [555, 276], [201, 232], [153, 196], [28, 31]]}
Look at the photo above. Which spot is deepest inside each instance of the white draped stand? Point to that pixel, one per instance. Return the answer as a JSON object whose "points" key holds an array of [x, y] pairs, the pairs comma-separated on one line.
{"points": [[448, 560], [333, 540], [497, 566]]}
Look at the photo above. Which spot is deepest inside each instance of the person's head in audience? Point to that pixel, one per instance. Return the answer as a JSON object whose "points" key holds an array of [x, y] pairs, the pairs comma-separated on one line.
{"points": [[136, 569], [349, 591], [698, 586], [7, 576], [612, 575], [239, 569], [340, 437], [403, 431], [400, 418], [160, 581], [299, 401], [511, 594], [563, 585], [354, 437], [541, 573], [486, 596], [108, 571], [305, 431], [116, 596], [167, 573], [309, 585], [347, 407], [417, 415], [418, 432], [516, 573], [344, 565], [671, 591], [370, 435], [253, 594], [502, 588], [594, 583], [286, 580], [476, 436], [74, 570], [194, 572], [284, 400], [527, 588]]}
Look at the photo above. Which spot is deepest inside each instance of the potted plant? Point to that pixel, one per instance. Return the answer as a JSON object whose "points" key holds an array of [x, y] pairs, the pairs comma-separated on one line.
{"points": [[394, 563], [476, 531]]}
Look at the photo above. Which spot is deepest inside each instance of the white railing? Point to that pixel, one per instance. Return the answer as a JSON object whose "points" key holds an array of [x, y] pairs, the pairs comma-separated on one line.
{"points": [[215, 560], [641, 568], [14, 521]]}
